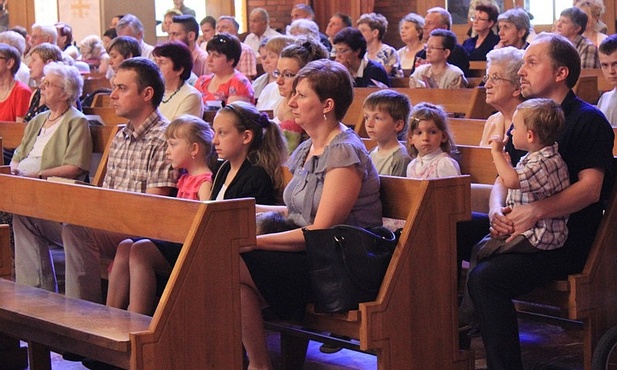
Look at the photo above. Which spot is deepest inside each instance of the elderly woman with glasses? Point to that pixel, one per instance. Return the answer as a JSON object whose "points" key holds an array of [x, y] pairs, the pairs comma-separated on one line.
{"points": [[349, 49], [225, 84], [56, 142], [503, 89], [14, 95], [293, 58]]}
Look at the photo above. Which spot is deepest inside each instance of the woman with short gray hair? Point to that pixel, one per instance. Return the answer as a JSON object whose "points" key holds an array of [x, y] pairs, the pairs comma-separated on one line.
{"points": [[514, 27], [411, 30], [56, 142], [503, 90]]}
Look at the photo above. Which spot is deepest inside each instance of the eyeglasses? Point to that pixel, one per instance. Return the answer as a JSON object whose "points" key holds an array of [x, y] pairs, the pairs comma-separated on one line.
{"points": [[45, 84], [429, 47], [496, 79], [285, 74], [473, 19], [342, 51]]}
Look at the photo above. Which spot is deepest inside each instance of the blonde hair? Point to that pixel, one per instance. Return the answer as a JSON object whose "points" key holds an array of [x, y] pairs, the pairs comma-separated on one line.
{"points": [[194, 130], [429, 112], [543, 117]]}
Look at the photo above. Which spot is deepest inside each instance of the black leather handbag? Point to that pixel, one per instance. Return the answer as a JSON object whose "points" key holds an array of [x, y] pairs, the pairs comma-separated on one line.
{"points": [[347, 265]]}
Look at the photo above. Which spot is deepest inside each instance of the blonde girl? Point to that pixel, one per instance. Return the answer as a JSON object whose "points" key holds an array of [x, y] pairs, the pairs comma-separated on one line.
{"points": [[253, 149], [430, 143], [133, 277]]}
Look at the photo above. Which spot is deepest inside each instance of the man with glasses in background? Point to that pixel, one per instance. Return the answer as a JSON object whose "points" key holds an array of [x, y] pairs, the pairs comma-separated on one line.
{"points": [[440, 18], [41, 33]]}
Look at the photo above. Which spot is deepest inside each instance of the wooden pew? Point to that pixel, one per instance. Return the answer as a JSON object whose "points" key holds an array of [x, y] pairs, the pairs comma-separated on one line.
{"points": [[95, 81], [12, 133], [477, 68], [107, 114], [401, 326], [470, 103], [603, 84], [474, 161], [187, 330], [588, 298], [466, 131], [477, 162], [586, 88]]}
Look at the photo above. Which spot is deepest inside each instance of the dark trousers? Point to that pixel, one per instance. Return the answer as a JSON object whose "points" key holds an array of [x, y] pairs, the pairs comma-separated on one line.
{"points": [[493, 284]]}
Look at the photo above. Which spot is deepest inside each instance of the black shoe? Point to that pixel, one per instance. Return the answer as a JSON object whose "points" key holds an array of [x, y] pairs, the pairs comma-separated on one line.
{"points": [[98, 365], [326, 348], [464, 340], [69, 356]]}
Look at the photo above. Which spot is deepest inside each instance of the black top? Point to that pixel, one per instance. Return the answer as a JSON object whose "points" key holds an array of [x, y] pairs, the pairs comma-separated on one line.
{"points": [[250, 182], [34, 107], [458, 57], [479, 53], [586, 142], [372, 71]]}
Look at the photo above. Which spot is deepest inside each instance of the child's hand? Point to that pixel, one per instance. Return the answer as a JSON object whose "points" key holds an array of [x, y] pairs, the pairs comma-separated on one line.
{"points": [[497, 143]]}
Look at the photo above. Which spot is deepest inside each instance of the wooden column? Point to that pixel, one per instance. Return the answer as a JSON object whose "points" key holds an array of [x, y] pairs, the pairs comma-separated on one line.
{"points": [[21, 13]]}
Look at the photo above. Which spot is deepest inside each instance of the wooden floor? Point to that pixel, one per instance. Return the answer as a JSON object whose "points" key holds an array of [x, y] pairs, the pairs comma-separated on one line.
{"points": [[545, 347]]}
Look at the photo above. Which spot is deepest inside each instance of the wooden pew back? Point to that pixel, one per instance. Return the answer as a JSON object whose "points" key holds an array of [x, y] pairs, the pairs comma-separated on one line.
{"points": [[469, 103], [211, 231], [586, 88], [475, 161], [102, 136], [399, 326], [466, 131]]}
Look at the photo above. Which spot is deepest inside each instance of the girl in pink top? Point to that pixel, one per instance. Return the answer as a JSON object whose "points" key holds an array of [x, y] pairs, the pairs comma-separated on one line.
{"points": [[225, 84], [132, 280]]}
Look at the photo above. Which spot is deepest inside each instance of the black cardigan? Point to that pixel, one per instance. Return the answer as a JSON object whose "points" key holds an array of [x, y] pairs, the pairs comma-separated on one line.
{"points": [[250, 182]]}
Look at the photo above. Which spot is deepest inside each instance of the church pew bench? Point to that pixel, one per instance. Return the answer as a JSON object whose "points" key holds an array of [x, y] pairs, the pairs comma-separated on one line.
{"points": [[107, 114], [468, 103], [407, 326], [12, 133], [587, 89], [477, 68], [603, 84], [95, 81], [588, 298], [466, 131], [187, 330]]}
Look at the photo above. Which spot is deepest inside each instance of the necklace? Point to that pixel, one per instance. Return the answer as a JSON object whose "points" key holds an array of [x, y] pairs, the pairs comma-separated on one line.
{"points": [[49, 119], [165, 101]]}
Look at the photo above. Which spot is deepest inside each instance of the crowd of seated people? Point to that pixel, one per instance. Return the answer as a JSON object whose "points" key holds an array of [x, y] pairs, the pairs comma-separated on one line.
{"points": [[307, 83]]}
